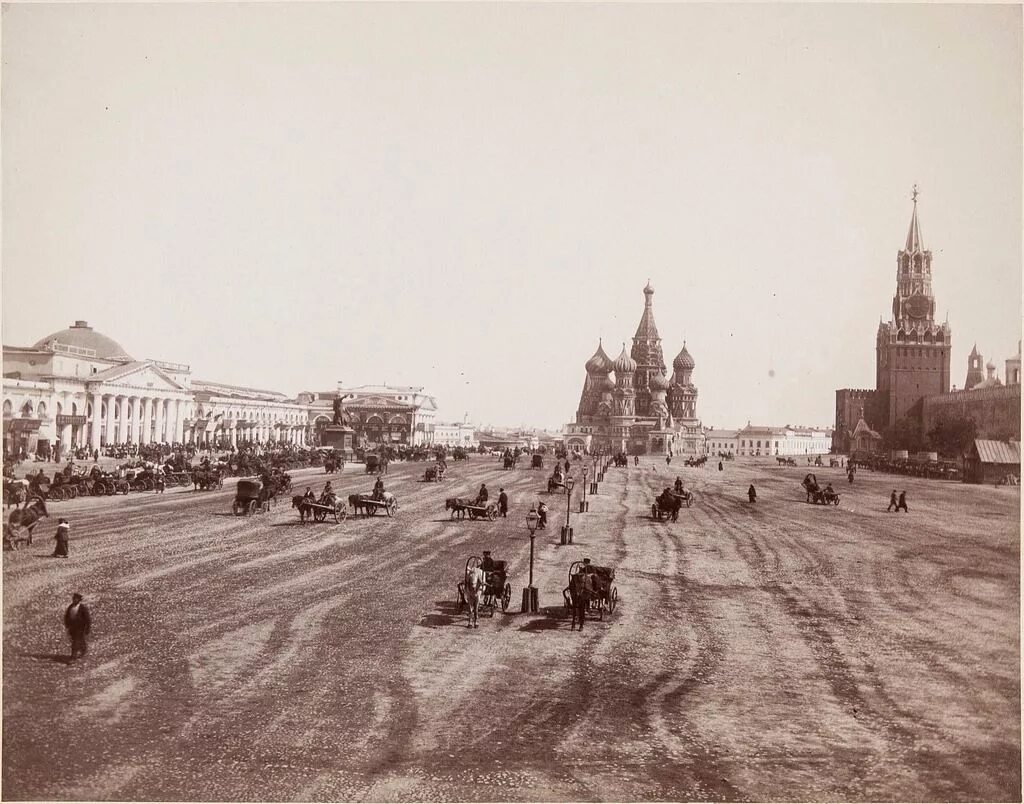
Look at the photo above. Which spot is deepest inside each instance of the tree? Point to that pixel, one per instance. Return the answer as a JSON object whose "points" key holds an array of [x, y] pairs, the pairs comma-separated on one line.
{"points": [[904, 434], [953, 435]]}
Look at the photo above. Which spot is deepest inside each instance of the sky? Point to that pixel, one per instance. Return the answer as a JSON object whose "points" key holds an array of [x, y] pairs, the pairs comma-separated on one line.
{"points": [[467, 196]]}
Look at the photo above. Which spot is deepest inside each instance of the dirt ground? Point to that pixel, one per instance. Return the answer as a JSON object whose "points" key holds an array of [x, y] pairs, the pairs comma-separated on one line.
{"points": [[775, 651]]}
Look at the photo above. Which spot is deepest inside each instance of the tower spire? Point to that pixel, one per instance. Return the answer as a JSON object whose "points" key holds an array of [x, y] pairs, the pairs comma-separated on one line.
{"points": [[915, 242]]}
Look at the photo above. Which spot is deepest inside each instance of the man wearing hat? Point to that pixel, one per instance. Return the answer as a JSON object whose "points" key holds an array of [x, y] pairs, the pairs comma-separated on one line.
{"points": [[487, 563], [502, 503], [62, 538], [78, 623]]}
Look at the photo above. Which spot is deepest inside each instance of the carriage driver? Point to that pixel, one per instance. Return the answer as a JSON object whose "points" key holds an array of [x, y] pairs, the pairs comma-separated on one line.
{"points": [[482, 495], [487, 563], [328, 494], [679, 485], [309, 496], [378, 489]]}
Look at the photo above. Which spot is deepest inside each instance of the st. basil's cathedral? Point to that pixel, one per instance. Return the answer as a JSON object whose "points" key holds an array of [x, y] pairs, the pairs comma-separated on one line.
{"points": [[630, 404]]}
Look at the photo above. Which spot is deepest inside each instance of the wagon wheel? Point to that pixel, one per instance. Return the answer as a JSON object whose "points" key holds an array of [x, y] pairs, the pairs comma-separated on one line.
{"points": [[460, 596], [613, 600], [237, 508], [506, 596], [319, 515], [392, 508], [251, 508], [492, 514], [74, 491], [125, 488]]}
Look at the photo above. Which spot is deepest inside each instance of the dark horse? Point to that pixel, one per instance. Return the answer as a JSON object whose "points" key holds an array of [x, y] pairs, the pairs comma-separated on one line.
{"points": [[27, 518], [304, 507], [580, 591], [457, 505]]}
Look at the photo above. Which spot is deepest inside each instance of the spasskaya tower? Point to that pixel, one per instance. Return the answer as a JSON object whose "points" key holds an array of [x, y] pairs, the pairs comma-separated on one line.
{"points": [[912, 349]]}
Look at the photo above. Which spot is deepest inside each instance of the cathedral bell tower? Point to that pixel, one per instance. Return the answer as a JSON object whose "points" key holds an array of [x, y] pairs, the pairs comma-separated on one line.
{"points": [[912, 350]]}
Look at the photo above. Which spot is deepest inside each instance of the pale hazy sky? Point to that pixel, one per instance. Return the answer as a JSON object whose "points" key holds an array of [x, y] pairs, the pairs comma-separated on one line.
{"points": [[466, 196]]}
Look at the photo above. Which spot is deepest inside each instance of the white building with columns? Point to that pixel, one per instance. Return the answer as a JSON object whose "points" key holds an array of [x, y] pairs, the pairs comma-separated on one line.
{"points": [[83, 389]]}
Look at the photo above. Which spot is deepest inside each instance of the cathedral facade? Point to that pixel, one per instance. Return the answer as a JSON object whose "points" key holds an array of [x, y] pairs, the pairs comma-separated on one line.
{"points": [[631, 404]]}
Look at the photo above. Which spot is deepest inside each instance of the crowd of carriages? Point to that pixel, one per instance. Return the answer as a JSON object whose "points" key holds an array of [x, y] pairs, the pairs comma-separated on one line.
{"points": [[933, 470]]}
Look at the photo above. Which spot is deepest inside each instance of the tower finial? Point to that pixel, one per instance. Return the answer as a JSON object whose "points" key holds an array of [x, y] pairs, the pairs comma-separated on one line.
{"points": [[913, 195]]}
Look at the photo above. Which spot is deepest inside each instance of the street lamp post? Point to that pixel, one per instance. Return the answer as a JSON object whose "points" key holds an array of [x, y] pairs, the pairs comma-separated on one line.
{"points": [[566, 530], [583, 503], [530, 600]]}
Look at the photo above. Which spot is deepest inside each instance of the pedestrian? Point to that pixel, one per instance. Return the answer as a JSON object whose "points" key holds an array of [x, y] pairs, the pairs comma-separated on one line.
{"points": [[668, 460], [62, 538], [720, 466], [902, 503], [893, 502], [503, 502], [78, 623], [636, 460], [542, 510], [752, 493]]}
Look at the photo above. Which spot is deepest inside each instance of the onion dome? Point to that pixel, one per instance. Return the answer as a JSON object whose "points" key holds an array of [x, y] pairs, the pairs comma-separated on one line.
{"points": [[683, 361], [600, 363], [606, 384], [624, 364], [81, 336], [990, 366], [658, 382]]}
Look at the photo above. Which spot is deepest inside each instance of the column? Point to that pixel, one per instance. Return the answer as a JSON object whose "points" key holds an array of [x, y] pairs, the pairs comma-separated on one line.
{"points": [[179, 421], [159, 436], [233, 433], [97, 408], [122, 420], [108, 430], [137, 420], [146, 420]]}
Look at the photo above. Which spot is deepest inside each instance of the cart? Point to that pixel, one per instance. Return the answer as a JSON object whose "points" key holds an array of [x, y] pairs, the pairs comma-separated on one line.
{"points": [[250, 497], [496, 592], [321, 510], [606, 594]]}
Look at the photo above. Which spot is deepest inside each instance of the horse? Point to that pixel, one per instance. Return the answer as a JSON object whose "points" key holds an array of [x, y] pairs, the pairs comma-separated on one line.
{"points": [[579, 595], [457, 505], [475, 579], [27, 517]]}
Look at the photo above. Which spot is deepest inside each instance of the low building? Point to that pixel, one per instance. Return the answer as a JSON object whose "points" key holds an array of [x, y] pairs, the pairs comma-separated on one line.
{"points": [[459, 434], [722, 441], [237, 415], [991, 461], [788, 440]]}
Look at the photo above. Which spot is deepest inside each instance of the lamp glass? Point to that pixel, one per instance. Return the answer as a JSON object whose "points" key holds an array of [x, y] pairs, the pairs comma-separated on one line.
{"points": [[569, 483], [532, 519]]}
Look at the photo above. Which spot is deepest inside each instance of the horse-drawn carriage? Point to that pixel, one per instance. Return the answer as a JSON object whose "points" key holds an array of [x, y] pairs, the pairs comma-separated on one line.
{"points": [[495, 591], [435, 474], [22, 522], [508, 462], [557, 482], [668, 504], [369, 505], [537, 462], [372, 464], [785, 461], [207, 478], [591, 588], [251, 496], [818, 495], [319, 510], [620, 460], [15, 492], [477, 510]]}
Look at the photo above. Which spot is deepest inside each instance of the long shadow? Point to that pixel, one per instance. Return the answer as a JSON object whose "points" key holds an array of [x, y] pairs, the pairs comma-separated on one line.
{"points": [[447, 613], [56, 658], [549, 618]]}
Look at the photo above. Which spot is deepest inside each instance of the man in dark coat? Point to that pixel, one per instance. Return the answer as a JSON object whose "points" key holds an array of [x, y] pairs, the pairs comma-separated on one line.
{"points": [[482, 496], [62, 538], [893, 502], [902, 504], [78, 623], [752, 493], [503, 502]]}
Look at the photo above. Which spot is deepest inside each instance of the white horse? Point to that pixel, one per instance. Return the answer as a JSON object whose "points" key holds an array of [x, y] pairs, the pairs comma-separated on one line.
{"points": [[473, 587]]}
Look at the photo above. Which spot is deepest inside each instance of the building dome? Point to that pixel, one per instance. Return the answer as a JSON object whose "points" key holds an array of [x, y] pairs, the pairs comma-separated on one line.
{"points": [[990, 365], [606, 383], [683, 361], [600, 363], [81, 336], [658, 382], [624, 364]]}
